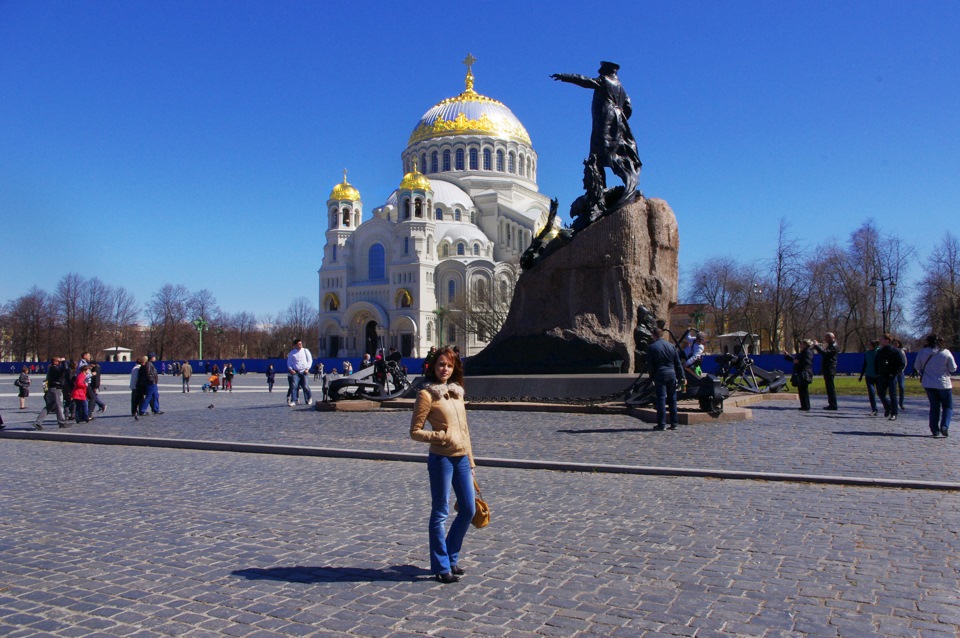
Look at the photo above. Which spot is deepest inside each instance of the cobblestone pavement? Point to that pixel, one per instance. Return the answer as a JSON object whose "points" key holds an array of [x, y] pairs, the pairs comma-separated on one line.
{"points": [[778, 439], [126, 541]]}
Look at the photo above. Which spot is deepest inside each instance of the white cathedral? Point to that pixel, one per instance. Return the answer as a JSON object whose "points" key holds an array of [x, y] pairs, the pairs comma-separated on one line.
{"points": [[446, 244]]}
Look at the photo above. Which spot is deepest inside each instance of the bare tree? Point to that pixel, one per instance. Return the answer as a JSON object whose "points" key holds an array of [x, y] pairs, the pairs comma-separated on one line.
{"points": [[167, 315], [31, 319], [785, 267], [938, 294], [67, 303], [723, 284], [123, 315]]}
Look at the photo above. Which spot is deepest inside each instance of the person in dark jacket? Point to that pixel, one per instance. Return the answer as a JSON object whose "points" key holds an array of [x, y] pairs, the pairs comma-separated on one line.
{"points": [[828, 367], [53, 397], [271, 377], [665, 370], [889, 363], [147, 384], [802, 372], [869, 372]]}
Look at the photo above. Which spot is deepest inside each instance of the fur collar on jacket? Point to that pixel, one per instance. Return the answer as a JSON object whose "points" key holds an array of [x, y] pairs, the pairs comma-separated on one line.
{"points": [[445, 390]]}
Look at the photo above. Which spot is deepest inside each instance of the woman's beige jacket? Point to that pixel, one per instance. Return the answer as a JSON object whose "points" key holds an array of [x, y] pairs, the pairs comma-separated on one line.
{"points": [[441, 405]]}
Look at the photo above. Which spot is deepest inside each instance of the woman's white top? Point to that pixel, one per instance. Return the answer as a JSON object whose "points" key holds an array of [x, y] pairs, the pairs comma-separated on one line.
{"points": [[935, 367]]}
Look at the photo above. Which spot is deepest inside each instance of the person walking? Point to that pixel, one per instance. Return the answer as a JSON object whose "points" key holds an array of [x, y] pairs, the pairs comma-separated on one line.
{"points": [[868, 371], [53, 396], [135, 396], [889, 363], [81, 407], [148, 382], [802, 372], [186, 371], [271, 377], [828, 367], [449, 462], [900, 377], [93, 391], [23, 383], [666, 370], [935, 364], [299, 361]]}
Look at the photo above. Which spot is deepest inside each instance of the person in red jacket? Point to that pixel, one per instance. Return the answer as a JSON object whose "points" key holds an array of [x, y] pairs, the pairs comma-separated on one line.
{"points": [[79, 395]]}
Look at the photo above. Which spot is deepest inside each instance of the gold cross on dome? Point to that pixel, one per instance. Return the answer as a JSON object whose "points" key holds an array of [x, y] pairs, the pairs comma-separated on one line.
{"points": [[344, 176], [469, 60]]}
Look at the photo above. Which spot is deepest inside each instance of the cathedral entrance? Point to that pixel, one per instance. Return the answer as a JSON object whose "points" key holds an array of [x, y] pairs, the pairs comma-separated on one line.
{"points": [[334, 349], [406, 345], [371, 341]]}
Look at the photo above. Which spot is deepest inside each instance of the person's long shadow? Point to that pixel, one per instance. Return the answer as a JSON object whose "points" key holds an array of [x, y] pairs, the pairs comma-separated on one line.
{"points": [[893, 434], [306, 574]]}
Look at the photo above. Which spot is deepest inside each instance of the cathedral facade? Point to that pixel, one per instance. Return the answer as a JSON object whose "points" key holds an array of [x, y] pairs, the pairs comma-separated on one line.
{"points": [[436, 263]]}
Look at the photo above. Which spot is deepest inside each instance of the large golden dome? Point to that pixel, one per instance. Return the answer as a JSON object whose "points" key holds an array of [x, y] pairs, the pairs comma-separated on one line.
{"points": [[344, 192], [469, 114]]}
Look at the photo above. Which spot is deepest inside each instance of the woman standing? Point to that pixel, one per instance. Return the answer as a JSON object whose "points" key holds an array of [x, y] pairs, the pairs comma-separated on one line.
{"points": [[23, 382], [228, 377], [935, 365], [802, 372], [271, 377], [450, 462]]}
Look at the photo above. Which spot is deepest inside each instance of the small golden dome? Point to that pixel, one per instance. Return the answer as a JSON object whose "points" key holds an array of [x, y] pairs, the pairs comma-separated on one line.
{"points": [[415, 180], [344, 191]]}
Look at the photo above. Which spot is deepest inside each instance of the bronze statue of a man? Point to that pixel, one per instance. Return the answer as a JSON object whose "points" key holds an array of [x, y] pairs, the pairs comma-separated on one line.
{"points": [[611, 140]]}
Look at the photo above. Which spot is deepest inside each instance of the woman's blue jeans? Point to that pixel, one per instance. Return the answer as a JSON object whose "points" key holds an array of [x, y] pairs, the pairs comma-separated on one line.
{"points": [[941, 407], [447, 471]]}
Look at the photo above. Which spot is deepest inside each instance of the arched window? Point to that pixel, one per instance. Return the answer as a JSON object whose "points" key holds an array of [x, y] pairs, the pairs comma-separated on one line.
{"points": [[500, 161], [474, 159], [429, 246], [486, 159], [445, 251], [529, 168], [481, 290], [346, 217], [423, 162], [451, 290], [451, 334], [461, 249], [429, 331], [522, 165], [334, 252], [446, 160], [406, 209], [439, 214], [456, 215], [418, 208], [406, 245], [512, 163], [434, 162], [476, 249], [473, 219], [459, 159], [376, 263], [504, 289]]}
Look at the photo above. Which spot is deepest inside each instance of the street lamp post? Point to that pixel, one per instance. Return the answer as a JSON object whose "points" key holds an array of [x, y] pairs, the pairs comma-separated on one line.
{"points": [[758, 294], [201, 326], [697, 316], [884, 307]]}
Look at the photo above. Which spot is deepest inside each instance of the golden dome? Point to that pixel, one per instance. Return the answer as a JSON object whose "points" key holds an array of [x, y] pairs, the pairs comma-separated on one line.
{"points": [[469, 114], [344, 191], [415, 180]]}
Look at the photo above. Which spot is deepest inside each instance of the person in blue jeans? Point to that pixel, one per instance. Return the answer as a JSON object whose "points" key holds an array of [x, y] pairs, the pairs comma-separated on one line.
{"points": [[935, 364], [449, 463], [665, 370], [869, 372]]}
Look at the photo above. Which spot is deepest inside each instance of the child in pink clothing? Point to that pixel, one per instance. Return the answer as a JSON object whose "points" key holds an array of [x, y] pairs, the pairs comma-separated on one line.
{"points": [[79, 395]]}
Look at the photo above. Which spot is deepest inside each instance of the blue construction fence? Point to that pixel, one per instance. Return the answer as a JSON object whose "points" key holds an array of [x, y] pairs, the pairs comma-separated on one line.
{"points": [[199, 366], [847, 363]]}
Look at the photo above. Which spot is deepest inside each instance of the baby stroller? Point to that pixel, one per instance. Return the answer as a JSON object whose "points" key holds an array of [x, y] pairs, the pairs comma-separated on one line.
{"points": [[212, 384]]}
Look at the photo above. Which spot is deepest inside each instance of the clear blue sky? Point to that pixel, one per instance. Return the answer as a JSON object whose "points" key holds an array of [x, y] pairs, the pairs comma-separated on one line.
{"points": [[196, 143]]}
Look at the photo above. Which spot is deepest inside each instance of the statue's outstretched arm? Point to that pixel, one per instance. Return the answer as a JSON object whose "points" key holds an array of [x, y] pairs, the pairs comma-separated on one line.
{"points": [[579, 80]]}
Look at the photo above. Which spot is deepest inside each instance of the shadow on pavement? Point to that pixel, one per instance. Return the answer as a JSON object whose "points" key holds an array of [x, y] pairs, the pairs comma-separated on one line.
{"points": [[606, 431], [303, 574], [894, 434]]}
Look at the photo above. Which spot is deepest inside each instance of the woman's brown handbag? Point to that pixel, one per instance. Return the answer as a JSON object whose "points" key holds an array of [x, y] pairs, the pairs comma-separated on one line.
{"points": [[481, 515]]}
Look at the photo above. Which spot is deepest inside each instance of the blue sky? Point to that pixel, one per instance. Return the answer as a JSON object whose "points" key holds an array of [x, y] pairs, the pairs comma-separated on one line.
{"points": [[196, 143]]}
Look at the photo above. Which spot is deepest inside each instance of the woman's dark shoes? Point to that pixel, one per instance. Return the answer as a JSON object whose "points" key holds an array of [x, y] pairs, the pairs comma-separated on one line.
{"points": [[456, 570], [446, 578]]}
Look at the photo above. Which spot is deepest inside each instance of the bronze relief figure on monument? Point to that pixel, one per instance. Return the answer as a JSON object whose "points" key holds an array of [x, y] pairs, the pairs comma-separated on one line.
{"points": [[618, 273]]}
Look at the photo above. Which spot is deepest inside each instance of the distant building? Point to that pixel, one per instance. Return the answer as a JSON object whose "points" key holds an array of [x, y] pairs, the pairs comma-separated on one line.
{"points": [[446, 242]]}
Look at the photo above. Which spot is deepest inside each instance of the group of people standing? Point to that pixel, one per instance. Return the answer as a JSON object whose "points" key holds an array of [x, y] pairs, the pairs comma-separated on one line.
{"points": [[884, 368]]}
